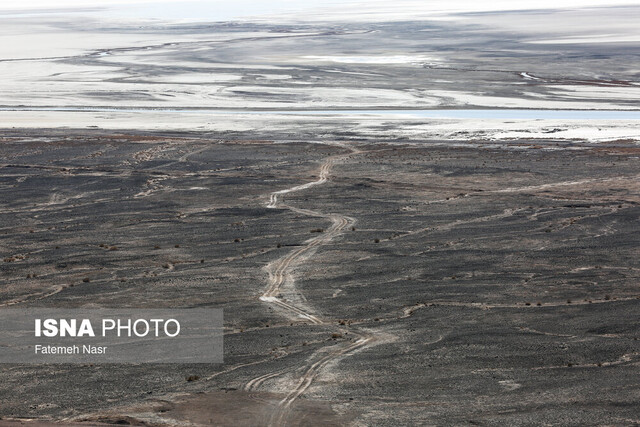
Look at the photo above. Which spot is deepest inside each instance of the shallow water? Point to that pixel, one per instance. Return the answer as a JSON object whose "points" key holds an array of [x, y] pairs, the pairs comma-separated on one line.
{"points": [[497, 113]]}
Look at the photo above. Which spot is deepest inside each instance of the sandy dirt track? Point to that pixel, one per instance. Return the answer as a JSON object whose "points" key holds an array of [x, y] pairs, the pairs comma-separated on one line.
{"points": [[281, 270]]}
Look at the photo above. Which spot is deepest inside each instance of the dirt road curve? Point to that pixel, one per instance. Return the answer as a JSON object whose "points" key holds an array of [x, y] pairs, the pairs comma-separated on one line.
{"points": [[280, 272]]}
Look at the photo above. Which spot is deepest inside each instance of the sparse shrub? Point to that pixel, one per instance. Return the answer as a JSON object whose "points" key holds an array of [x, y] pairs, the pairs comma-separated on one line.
{"points": [[86, 280], [377, 240], [192, 378]]}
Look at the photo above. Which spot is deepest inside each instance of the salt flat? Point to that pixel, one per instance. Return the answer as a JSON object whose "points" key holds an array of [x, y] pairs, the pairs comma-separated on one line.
{"points": [[99, 59]]}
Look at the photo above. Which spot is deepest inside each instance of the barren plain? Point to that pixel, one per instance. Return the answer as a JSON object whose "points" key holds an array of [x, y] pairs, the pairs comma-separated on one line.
{"points": [[492, 285]]}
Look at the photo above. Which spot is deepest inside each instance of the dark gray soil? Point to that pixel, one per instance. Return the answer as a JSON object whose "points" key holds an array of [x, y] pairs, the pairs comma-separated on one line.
{"points": [[501, 282]]}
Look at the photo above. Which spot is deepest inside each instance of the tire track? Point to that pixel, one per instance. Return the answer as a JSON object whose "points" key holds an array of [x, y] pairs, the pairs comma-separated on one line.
{"points": [[280, 272], [280, 417], [256, 382], [35, 297]]}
